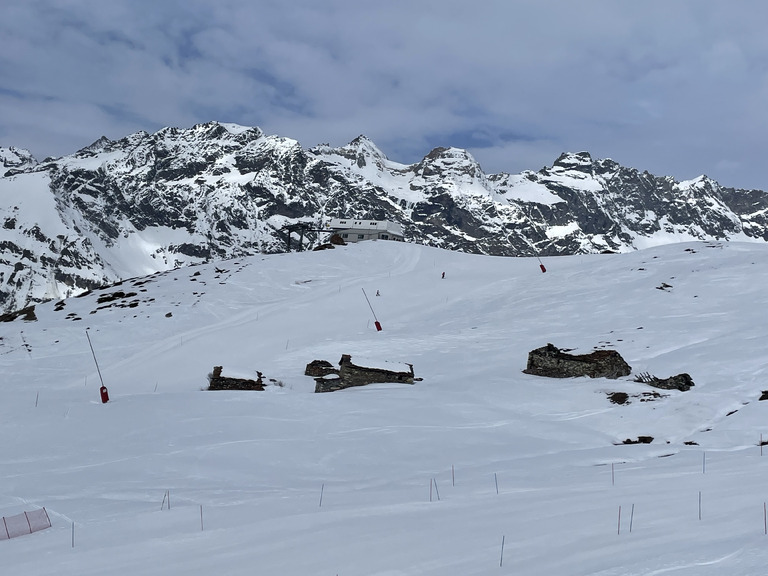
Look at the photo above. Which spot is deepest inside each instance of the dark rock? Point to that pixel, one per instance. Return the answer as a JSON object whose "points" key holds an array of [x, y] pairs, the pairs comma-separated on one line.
{"points": [[640, 440], [682, 382], [27, 314], [618, 397], [551, 362], [118, 295], [764, 395]]}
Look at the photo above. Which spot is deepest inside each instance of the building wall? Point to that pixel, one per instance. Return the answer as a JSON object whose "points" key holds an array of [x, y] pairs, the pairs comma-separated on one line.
{"points": [[358, 235], [352, 230]]}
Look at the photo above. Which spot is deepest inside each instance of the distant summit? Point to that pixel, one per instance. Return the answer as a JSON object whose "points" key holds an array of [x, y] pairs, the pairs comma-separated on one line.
{"points": [[16, 159]]}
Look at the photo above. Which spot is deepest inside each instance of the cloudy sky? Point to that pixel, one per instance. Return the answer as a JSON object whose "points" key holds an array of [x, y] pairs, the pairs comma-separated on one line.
{"points": [[677, 88]]}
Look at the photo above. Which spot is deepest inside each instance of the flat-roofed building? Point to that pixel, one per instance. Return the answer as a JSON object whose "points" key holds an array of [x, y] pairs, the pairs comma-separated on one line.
{"points": [[356, 230]]}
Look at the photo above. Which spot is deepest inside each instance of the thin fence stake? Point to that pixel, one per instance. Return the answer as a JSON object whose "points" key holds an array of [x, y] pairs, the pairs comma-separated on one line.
{"points": [[704, 463], [165, 495], [618, 531], [73, 534], [322, 489], [501, 559], [169, 499], [37, 398], [201, 517], [613, 477], [430, 489], [453, 477], [496, 479], [436, 490], [631, 517], [699, 504]]}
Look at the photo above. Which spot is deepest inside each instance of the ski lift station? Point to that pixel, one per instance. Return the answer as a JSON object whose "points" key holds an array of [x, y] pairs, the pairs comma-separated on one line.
{"points": [[352, 230]]}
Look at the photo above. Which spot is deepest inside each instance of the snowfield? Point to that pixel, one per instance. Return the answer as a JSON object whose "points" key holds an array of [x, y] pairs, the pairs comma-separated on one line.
{"points": [[394, 479]]}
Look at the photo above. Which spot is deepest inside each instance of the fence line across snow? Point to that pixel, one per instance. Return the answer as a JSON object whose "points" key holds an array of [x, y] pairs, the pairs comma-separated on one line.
{"points": [[24, 523]]}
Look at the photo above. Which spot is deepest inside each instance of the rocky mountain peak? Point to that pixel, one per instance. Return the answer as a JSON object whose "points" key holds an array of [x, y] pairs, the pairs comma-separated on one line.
{"points": [[13, 158], [152, 202], [579, 161], [99, 145], [450, 162], [361, 151]]}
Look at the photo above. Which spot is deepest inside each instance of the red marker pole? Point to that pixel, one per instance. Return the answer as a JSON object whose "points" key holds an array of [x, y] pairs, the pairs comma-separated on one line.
{"points": [[376, 320], [103, 390], [541, 264]]}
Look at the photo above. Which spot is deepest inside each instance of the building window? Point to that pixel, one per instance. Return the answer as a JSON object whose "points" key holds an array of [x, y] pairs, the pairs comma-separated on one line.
{"points": [[345, 235], [373, 224], [360, 236], [384, 237]]}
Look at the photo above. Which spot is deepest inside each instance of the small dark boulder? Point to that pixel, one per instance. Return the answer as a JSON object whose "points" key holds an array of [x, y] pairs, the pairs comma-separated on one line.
{"points": [[764, 395], [682, 382], [618, 397], [552, 362], [640, 440]]}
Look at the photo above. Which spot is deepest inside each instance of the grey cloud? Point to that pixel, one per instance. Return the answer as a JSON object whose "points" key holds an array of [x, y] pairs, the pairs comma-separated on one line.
{"points": [[672, 87]]}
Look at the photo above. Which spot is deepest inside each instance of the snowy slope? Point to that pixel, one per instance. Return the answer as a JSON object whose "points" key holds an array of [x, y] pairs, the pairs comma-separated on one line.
{"points": [[290, 482]]}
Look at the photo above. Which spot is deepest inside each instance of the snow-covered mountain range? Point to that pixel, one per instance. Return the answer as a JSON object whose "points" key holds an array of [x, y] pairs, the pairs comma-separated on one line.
{"points": [[152, 202]]}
